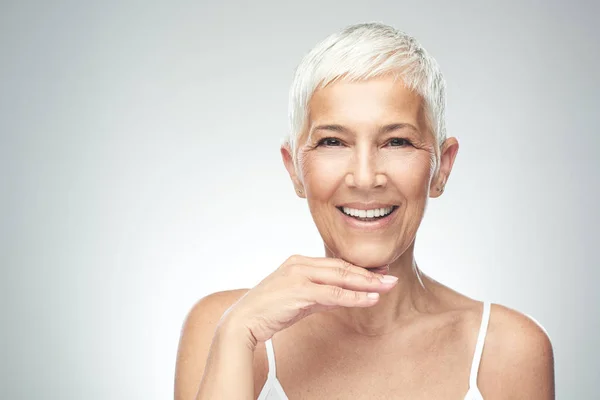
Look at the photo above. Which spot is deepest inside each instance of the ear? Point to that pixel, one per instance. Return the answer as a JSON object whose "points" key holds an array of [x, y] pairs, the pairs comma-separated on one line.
{"points": [[288, 161], [447, 157]]}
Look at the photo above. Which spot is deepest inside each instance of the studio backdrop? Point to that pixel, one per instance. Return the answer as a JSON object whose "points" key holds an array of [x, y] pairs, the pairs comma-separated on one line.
{"points": [[141, 171]]}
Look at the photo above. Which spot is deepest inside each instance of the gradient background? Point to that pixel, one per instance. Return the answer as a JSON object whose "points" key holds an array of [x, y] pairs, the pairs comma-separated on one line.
{"points": [[141, 171]]}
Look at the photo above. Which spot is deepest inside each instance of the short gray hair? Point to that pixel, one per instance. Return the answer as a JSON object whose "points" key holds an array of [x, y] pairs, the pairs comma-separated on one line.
{"points": [[360, 52]]}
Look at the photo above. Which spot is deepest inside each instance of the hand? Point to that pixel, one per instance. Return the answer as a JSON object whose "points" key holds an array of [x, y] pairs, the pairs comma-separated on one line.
{"points": [[302, 286]]}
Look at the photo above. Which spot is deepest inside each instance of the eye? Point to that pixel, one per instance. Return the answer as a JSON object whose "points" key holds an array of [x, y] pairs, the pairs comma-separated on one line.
{"points": [[399, 142], [330, 142]]}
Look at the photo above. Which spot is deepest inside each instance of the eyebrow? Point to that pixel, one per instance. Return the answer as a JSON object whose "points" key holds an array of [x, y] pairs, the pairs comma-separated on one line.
{"points": [[383, 129]]}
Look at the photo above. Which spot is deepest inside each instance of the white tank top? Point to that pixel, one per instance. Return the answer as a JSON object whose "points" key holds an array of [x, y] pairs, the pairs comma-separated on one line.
{"points": [[272, 390]]}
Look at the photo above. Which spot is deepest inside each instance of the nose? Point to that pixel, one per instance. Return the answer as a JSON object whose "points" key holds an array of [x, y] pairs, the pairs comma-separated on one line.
{"points": [[364, 171]]}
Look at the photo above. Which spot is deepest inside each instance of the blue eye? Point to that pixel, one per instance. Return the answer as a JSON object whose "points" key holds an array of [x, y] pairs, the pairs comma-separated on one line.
{"points": [[399, 142], [330, 142]]}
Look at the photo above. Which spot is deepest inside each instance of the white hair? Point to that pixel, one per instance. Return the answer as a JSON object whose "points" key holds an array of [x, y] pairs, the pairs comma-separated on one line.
{"points": [[360, 52]]}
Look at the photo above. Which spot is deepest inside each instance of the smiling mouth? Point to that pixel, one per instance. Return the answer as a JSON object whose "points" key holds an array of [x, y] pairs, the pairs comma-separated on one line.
{"points": [[367, 215]]}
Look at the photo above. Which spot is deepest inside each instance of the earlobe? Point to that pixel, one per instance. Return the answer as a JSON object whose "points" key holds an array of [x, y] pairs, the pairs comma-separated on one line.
{"points": [[437, 187], [447, 157]]}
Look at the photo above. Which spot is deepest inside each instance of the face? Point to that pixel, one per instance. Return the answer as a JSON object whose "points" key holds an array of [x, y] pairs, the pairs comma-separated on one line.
{"points": [[367, 165]]}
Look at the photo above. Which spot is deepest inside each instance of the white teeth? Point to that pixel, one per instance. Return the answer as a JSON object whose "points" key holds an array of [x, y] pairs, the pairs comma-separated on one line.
{"points": [[377, 212]]}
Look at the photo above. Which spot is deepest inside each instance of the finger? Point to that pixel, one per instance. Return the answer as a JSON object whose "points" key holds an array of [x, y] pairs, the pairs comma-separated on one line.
{"points": [[336, 263], [347, 279], [328, 296]]}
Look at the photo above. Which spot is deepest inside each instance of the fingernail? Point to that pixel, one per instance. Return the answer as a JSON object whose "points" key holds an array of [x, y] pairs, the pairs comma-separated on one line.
{"points": [[373, 295], [388, 279]]}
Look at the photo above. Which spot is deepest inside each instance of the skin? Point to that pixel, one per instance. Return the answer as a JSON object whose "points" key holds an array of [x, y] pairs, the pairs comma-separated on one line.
{"points": [[360, 160], [369, 141]]}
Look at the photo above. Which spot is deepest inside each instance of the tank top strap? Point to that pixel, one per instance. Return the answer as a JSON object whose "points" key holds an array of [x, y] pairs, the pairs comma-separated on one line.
{"points": [[485, 318], [271, 358]]}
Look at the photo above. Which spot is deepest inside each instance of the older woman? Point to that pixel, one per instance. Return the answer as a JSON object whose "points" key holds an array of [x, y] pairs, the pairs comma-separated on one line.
{"points": [[367, 149]]}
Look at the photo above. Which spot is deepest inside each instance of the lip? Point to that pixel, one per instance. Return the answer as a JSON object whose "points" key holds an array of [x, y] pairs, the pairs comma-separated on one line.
{"points": [[368, 226], [366, 206]]}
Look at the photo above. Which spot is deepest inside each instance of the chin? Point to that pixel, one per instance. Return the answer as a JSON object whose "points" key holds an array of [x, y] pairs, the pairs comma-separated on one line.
{"points": [[368, 255]]}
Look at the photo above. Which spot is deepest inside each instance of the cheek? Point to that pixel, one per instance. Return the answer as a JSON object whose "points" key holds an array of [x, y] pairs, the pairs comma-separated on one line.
{"points": [[322, 174], [410, 173]]}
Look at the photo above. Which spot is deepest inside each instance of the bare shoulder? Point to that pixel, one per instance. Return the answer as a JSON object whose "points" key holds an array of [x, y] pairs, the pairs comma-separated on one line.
{"points": [[518, 336], [207, 311], [196, 338], [518, 359]]}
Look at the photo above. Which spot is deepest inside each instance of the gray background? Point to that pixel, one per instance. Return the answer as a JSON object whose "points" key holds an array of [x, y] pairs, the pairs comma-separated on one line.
{"points": [[141, 171]]}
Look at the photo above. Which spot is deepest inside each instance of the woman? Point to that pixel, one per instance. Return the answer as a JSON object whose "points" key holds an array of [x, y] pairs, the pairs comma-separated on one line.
{"points": [[367, 149]]}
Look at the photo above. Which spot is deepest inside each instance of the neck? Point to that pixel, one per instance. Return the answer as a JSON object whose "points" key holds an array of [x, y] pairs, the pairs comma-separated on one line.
{"points": [[410, 297]]}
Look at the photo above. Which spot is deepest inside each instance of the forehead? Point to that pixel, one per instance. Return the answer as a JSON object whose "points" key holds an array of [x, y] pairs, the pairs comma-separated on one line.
{"points": [[378, 100]]}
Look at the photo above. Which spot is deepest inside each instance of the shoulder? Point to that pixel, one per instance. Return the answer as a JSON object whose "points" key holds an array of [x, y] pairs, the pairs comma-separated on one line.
{"points": [[520, 335], [518, 356], [202, 318], [196, 338], [209, 309]]}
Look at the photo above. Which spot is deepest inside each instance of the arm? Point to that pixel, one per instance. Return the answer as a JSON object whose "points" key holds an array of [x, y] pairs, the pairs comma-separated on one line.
{"points": [[218, 363], [228, 373], [213, 355], [533, 373], [523, 366]]}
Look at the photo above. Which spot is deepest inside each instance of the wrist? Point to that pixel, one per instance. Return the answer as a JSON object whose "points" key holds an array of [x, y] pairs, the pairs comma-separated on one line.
{"points": [[233, 330]]}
